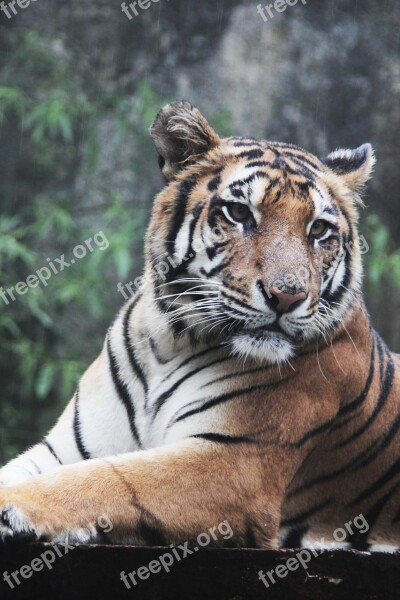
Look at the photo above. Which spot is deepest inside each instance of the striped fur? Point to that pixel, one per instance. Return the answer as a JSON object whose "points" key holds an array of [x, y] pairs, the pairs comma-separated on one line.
{"points": [[243, 381]]}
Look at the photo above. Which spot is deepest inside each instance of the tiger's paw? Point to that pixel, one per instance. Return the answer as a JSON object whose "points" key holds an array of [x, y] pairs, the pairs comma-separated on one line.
{"points": [[14, 524], [19, 523], [23, 515]]}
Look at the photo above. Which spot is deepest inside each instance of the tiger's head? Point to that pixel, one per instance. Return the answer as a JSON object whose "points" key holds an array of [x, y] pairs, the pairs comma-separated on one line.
{"points": [[253, 241]]}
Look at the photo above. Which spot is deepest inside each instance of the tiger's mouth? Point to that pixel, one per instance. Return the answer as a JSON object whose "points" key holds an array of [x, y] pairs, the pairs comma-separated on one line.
{"points": [[270, 344], [273, 328], [267, 331]]}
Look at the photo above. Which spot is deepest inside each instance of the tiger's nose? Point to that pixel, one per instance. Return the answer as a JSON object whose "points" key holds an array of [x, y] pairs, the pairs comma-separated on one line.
{"points": [[282, 302]]}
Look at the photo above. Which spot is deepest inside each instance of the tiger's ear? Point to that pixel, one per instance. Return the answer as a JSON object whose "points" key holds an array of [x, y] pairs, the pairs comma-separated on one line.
{"points": [[181, 136], [354, 166]]}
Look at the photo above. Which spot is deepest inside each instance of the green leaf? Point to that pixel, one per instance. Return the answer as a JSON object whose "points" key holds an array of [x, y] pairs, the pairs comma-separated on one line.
{"points": [[45, 380]]}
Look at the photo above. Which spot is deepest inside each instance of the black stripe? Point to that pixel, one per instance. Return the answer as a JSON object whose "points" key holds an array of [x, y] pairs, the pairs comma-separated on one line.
{"points": [[190, 254], [305, 487], [216, 213], [352, 406], [328, 241], [212, 252], [219, 438], [337, 295], [303, 159], [217, 269], [249, 535], [304, 170], [245, 142], [378, 446], [242, 304], [396, 518], [304, 187], [197, 210], [288, 146], [328, 278], [177, 326], [359, 540], [51, 450], [137, 369], [382, 398], [123, 393], [251, 154], [294, 538], [150, 534], [190, 359], [156, 353], [150, 527], [168, 393], [36, 467], [214, 183], [102, 537], [301, 517], [178, 216], [273, 183], [313, 432], [379, 483], [363, 458], [235, 288], [342, 289], [77, 429], [342, 423], [366, 456], [332, 210], [380, 356], [239, 313], [233, 375], [237, 192], [258, 163], [218, 400], [249, 179]]}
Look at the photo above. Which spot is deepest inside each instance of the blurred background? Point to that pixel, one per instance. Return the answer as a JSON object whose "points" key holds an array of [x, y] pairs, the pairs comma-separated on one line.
{"points": [[80, 83]]}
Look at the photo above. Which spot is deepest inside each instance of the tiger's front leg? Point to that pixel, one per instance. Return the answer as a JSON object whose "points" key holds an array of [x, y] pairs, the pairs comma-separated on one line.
{"points": [[160, 496]]}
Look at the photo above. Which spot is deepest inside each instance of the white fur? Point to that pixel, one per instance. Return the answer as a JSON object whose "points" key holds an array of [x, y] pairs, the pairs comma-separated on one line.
{"points": [[387, 548], [17, 522], [273, 348]]}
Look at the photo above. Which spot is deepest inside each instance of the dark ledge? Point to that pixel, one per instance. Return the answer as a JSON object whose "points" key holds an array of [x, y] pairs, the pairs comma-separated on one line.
{"points": [[87, 572]]}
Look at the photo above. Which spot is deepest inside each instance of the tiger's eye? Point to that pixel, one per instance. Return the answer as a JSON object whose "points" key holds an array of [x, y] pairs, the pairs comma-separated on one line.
{"points": [[319, 228], [239, 212]]}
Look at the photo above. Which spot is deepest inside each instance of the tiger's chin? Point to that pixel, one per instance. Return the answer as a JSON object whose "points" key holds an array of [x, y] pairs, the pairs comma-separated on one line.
{"points": [[271, 347]]}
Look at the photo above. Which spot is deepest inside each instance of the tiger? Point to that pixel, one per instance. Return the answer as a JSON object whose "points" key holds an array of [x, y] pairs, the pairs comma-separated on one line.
{"points": [[242, 380]]}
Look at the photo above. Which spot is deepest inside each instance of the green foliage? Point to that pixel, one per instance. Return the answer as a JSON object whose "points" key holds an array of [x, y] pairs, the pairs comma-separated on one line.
{"points": [[11, 99], [222, 123], [382, 261]]}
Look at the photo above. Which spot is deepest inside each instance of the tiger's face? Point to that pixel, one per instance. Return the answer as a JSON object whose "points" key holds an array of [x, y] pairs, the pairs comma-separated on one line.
{"points": [[260, 237]]}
